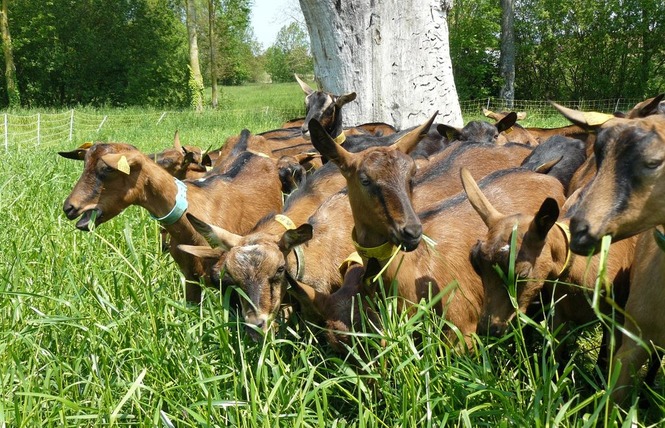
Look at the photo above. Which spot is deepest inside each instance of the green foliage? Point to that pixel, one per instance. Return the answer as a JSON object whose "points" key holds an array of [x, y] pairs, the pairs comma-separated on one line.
{"points": [[98, 52], [235, 46], [566, 49], [474, 48], [290, 54]]}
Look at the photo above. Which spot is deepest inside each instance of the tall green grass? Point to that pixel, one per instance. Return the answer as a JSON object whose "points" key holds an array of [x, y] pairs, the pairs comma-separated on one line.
{"points": [[95, 330]]}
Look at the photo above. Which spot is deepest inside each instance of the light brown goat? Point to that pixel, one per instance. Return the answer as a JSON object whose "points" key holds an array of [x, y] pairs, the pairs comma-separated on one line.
{"points": [[624, 199], [543, 263], [116, 176], [380, 186]]}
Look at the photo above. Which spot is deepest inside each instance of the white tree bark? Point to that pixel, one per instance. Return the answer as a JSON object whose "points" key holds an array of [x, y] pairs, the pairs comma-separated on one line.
{"points": [[393, 53]]}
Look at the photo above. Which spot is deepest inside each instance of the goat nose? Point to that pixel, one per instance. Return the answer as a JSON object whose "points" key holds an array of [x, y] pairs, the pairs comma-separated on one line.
{"points": [[581, 241], [70, 210], [495, 330], [411, 235]]}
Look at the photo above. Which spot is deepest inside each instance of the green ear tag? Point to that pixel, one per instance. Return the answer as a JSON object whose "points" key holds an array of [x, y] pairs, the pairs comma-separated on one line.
{"points": [[123, 165]]}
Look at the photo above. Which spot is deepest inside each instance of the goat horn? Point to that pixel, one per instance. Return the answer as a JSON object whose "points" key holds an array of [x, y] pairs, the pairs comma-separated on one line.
{"points": [[480, 203], [176, 140], [304, 86], [407, 142]]}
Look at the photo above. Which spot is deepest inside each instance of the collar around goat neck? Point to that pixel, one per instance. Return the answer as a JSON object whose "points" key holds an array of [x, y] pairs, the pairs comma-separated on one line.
{"points": [[566, 233], [660, 238], [340, 139], [381, 253], [178, 209], [297, 250]]}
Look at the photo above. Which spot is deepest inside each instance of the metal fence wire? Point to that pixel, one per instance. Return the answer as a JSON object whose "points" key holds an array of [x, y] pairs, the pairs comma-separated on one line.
{"points": [[50, 129]]}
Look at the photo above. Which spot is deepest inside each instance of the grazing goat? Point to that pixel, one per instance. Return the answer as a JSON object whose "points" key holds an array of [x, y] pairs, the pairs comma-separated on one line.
{"points": [[276, 255], [543, 262], [380, 183], [182, 162], [116, 176], [624, 199]]}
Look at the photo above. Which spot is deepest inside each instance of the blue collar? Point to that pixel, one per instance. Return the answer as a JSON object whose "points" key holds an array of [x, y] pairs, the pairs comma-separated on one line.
{"points": [[178, 209]]}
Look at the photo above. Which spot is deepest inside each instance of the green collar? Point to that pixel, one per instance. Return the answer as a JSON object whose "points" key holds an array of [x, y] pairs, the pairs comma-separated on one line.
{"points": [[660, 238], [178, 209], [297, 250], [382, 252]]}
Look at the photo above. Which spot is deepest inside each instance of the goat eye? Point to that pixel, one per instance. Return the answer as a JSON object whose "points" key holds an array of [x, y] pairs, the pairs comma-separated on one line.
{"points": [[653, 163], [364, 180], [280, 270]]}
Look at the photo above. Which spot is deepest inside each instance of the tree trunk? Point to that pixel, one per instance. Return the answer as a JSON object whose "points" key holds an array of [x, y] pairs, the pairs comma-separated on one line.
{"points": [[393, 53], [14, 96], [507, 59], [213, 55], [196, 79]]}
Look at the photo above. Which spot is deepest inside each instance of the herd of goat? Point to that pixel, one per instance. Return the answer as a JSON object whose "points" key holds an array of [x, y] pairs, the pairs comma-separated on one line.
{"points": [[371, 202]]}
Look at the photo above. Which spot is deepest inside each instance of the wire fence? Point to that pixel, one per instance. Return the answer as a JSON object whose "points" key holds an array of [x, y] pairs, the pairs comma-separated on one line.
{"points": [[49, 129]]}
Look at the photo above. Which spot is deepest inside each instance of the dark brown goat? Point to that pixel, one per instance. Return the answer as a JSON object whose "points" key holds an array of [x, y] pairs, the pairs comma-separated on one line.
{"points": [[182, 162], [380, 186], [116, 176], [543, 262]]}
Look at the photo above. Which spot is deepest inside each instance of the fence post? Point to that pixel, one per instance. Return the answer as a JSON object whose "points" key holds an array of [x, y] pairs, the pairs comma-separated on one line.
{"points": [[161, 117], [101, 124], [6, 134], [71, 125], [39, 117]]}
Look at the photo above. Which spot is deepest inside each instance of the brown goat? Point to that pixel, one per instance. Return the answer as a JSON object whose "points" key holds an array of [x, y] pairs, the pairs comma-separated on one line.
{"points": [[624, 199], [276, 254], [380, 186], [116, 176], [182, 162], [543, 262], [497, 116]]}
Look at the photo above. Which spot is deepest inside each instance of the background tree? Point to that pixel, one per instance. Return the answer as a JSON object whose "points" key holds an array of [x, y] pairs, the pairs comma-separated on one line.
{"points": [[98, 53], [394, 54], [13, 94], [212, 36], [289, 54], [507, 58], [474, 47], [196, 78], [236, 47]]}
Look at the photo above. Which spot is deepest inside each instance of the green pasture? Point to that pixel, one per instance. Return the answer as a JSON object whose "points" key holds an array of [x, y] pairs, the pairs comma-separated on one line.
{"points": [[95, 330]]}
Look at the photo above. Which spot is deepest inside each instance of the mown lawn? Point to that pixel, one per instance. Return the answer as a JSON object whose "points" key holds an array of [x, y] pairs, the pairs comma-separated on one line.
{"points": [[95, 330]]}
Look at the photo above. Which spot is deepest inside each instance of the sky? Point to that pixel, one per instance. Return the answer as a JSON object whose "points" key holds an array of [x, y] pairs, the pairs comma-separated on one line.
{"points": [[269, 16]]}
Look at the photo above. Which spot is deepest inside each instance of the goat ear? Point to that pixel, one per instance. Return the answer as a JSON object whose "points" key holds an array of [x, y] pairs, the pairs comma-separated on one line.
{"points": [[587, 120], [344, 99], [409, 141], [294, 237], [216, 236], [506, 122], [450, 132], [649, 107], [327, 146], [478, 201], [78, 153], [304, 86], [545, 168], [120, 161], [545, 218], [176, 140], [202, 252]]}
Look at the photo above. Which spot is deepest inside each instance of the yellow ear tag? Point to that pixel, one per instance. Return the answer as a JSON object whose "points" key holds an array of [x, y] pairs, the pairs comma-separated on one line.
{"points": [[85, 145], [508, 131], [594, 118], [123, 165]]}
